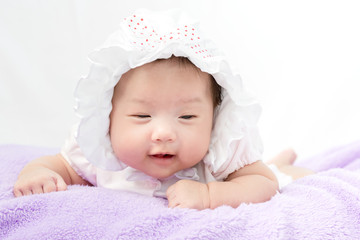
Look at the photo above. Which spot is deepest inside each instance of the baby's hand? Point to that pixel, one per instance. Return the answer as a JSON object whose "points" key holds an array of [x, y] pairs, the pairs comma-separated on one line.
{"points": [[188, 194], [38, 180]]}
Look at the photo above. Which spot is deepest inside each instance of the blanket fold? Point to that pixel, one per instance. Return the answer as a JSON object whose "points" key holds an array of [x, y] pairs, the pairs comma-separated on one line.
{"points": [[321, 206]]}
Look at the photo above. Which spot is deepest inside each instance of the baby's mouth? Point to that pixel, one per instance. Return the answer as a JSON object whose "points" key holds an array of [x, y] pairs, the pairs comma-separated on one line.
{"points": [[162, 156]]}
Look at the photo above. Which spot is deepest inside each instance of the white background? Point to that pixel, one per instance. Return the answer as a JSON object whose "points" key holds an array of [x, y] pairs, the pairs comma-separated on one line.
{"points": [[301, 58]]}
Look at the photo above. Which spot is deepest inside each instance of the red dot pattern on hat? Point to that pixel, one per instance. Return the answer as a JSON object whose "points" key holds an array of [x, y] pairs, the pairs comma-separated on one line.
{"points": [[147, 38]]}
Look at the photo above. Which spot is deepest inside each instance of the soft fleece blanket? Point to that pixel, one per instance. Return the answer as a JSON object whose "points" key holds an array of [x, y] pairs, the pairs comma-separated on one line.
{"points": [[321, 206]]}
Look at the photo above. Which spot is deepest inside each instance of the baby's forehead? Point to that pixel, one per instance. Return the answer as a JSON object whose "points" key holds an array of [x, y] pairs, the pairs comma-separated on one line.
{"points": [[180, 63], [171, 66]]}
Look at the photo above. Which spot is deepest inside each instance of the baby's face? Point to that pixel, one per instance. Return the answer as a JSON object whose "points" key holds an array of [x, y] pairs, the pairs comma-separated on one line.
{"points": [[162, 117]]}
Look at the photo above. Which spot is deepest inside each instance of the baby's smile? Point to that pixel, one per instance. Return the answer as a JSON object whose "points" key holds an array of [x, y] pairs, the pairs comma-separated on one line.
{"points": [[162, 158], [165, 156]]}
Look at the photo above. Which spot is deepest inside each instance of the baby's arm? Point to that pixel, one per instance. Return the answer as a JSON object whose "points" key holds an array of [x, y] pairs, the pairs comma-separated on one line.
{"points": [[46, 174], [251, 184]]}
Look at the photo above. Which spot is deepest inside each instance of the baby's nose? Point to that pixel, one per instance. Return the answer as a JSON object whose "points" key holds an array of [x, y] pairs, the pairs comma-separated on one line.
{"points": [[163, 133]]}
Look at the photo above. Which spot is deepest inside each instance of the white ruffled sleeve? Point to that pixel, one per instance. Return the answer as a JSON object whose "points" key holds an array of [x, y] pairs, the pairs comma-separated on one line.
{"points": [[74, 156], [235, 140]]}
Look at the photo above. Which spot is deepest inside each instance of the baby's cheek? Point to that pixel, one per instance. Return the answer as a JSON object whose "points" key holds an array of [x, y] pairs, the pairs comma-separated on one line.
{"points": [[125, 148], [197, 152], [117, 144]]}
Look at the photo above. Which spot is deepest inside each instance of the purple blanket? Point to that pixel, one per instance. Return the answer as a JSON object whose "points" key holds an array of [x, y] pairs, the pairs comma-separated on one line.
{"points": [[321, 206]]}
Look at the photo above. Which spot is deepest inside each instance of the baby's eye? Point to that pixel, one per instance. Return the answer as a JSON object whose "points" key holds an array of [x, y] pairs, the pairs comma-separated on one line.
{"points": [[187, 117], [141, 116]]}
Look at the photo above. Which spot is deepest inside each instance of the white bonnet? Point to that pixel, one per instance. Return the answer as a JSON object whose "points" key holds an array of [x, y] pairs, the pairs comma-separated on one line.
{"points": [[142, 38]]}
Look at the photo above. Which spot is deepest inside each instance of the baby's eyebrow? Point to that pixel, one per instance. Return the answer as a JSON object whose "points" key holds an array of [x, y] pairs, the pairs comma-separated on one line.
{"points": [[140, 100], [191, 100]]}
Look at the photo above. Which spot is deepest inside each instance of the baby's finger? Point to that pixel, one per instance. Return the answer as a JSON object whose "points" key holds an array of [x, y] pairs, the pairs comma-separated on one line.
{"points": [[184, 205], [170, 192], [60, 184], [17, 192], [171, 197], [26, 192], [49, 186], [37, 190], [173, 203]]}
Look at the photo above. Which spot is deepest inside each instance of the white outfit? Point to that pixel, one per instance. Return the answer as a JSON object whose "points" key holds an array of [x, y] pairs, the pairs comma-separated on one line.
{"points": [[142, 38]]}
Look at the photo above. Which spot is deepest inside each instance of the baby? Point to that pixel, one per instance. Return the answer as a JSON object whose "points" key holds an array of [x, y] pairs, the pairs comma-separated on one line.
{"points": [[162, 114]]}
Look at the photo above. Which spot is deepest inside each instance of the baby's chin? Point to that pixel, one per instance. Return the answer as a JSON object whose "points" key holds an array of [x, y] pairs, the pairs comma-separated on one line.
{"points": [[161, 176]]}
